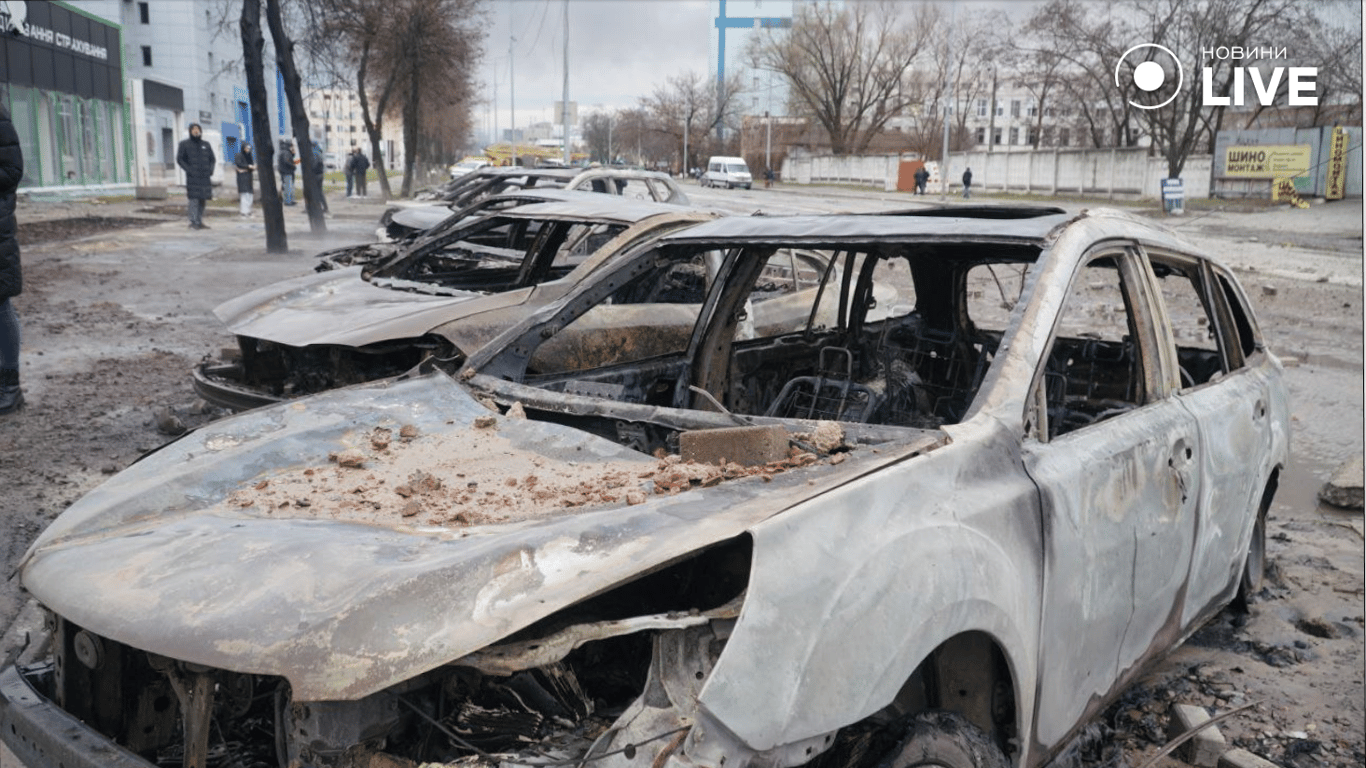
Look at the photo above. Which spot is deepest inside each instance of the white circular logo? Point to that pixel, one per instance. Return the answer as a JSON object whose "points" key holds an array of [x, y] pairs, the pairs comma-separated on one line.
{"points": [[1152, 69]]}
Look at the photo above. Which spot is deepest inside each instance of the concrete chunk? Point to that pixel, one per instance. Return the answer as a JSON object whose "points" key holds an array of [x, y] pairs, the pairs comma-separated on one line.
{"points": [[747, 446], [1344, 488], [1205, 747]]}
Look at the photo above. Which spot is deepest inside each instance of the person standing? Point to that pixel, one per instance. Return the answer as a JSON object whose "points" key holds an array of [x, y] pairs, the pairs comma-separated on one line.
{"points": [[362, 168], [196, 158], [246, 166], [11, 275], [318, 170], [350, 169], [967, 183], [285, 165]]}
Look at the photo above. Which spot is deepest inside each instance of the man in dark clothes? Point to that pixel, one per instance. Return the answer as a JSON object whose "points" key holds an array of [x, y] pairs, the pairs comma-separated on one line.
{"points": [[361, 169], [922, 177], [11, 276], [246, 165], [284, 163], [196, 158], [319, 169], [967, 183]]}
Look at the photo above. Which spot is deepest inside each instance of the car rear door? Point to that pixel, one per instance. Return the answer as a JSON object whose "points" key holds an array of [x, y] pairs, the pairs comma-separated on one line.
{"points": [[1114, 458], [1232, 403]]}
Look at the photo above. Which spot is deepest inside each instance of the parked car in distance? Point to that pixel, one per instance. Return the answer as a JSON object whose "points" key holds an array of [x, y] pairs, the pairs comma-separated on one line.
{"points": [[767, 491], [728, 172], [376, 311], [405, 221], [468, 165]]}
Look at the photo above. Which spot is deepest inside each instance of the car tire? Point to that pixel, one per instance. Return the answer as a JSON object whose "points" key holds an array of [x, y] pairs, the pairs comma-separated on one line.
{"points": [[945, 739], [1254, 564]]}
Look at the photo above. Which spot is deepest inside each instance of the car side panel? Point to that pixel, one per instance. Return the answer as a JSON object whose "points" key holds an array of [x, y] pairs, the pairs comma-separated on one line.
{"points": [[852, 590]]}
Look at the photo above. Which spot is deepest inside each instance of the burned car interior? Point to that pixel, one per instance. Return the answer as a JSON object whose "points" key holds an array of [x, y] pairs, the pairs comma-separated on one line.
{"points": [[883, 334]]}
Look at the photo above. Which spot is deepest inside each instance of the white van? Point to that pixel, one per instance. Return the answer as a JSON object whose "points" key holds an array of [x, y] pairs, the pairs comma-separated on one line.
{"points": [[728, 172]]}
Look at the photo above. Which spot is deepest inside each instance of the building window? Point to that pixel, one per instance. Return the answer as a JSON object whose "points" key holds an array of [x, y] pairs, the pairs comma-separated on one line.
{"points": [[996, 139], [982, 134], [146, 55], [1064, 136], [1033, 109], [1032, 136], [981, 107], [144, 13], [1000, 110], [1014, 108], [1014, 136]]}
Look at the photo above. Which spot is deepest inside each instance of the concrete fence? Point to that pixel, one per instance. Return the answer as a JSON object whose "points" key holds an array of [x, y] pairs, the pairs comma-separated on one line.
{"points": [[1119, 173]]}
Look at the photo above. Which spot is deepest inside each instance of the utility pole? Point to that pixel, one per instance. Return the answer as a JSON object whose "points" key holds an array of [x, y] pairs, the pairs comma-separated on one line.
{"points": [[564, 104], [512, 92], [951, 86]]}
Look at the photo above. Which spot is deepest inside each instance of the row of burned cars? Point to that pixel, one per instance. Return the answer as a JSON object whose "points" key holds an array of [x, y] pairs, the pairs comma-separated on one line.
{"points": [[575, 478]]}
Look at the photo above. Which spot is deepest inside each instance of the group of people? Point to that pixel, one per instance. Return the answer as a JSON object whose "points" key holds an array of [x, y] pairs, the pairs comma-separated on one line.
{"points": [[922, 178], [196, 157]]}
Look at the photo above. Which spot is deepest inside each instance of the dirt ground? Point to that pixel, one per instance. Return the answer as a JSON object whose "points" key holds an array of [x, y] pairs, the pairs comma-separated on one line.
{"points": [[118, 306]]}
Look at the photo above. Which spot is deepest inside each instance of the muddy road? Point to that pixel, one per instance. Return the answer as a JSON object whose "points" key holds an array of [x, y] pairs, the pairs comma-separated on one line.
{"points": [[118, 306]]}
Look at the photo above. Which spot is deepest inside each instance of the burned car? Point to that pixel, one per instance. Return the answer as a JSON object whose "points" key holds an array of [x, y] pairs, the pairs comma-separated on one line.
{"points": [[434, 299], [940, 523], [406, 221]]}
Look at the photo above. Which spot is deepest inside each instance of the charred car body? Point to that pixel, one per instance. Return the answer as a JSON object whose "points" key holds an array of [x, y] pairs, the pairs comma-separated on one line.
{"points": [[433, 299], [1005, 489], [405, 222]]}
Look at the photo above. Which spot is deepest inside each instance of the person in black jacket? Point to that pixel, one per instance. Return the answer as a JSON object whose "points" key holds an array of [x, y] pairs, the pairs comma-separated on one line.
{"points": [[318, 170], [11, 275], [361, 168], [196, 158], [246, 167], [284, 163], [967, 183]]}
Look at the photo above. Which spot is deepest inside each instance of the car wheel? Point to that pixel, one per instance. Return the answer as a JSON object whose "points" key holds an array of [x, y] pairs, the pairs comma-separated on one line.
{"points": [[945, 739], [1254, 566]]}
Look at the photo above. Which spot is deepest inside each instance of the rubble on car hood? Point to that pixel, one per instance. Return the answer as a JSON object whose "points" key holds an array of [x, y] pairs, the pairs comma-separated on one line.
{"points": [[190, 554], [336, 307]]}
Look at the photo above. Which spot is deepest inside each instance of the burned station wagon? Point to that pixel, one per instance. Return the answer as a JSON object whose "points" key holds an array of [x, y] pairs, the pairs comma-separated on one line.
{"points": [[433, 299], [941, 516]]}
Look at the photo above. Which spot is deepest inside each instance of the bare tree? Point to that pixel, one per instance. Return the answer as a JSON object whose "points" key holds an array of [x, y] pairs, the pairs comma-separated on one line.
{"points": [[298, 115], [252, 45], [410, 58], [847, 67], [686, 109]]}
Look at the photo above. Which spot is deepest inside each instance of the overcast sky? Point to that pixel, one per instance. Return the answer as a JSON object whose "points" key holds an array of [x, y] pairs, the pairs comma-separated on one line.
{"points": [[619, 50]]}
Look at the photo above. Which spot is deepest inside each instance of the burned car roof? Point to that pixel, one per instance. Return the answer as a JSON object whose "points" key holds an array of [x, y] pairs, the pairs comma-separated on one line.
{"points": [[865, 227]]}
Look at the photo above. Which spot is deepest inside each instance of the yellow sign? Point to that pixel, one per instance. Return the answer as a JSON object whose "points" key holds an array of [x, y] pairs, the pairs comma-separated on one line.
{"points": [[1267, 162], [1283, 191], [1337, 166]]}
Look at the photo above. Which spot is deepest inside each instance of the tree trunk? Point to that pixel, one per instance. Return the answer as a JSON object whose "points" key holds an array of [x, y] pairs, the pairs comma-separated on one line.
{"points": [[374, 125], [410, 117], [298, 117], [252, 44]]}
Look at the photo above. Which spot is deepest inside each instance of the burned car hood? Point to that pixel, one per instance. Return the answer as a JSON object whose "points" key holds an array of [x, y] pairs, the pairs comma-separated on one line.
{"points": [[422, 217], [283, 541], [337, 307]]}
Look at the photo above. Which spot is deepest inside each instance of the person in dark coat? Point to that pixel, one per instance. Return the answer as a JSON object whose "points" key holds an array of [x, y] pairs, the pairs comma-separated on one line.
{"points": [[922, 177], [967, 183], [284, 163], [361, 169], [319, 169], [246, 167], [196, 158], [11, 275]]}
